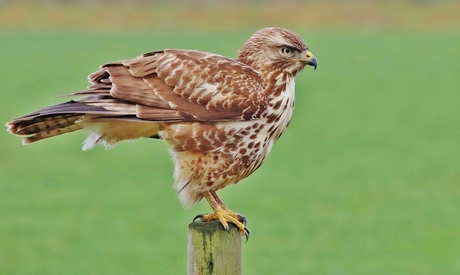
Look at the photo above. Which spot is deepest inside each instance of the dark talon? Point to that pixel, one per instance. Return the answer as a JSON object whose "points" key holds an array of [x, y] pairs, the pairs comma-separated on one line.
{"points": [[198, 216], [246, 234], [242, 219]]}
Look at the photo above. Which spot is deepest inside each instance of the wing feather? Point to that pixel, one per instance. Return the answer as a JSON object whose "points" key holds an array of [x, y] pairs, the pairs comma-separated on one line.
{"points": [[127, 87], [199, 86]]}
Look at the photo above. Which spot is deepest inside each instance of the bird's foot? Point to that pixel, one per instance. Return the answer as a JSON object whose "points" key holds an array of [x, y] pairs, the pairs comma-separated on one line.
{"points": [[224, 217]]}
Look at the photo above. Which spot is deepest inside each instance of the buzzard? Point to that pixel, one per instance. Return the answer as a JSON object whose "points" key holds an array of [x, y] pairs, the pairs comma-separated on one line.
{"points": [[220, 116]]}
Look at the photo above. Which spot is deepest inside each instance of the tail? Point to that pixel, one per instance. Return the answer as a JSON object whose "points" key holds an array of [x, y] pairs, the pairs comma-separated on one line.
{"points": [[65, 117], [105, 126], [34, 128]]}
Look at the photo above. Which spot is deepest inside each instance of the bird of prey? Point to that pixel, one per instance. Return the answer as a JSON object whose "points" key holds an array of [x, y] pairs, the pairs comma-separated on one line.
{"points": [[220, 116]]}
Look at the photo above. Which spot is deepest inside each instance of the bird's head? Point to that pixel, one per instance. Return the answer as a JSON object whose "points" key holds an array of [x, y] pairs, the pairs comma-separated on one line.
{"points": [[271, 49]]}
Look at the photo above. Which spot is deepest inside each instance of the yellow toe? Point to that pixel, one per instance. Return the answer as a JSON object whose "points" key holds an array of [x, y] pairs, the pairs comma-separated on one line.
{"points": [[225, 217]]}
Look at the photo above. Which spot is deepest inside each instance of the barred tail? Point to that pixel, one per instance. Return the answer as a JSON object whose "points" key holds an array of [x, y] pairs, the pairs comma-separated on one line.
{"points": [[34, 128]]}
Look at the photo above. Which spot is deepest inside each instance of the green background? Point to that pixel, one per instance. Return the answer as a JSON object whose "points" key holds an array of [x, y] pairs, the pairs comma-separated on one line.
{"points": [[366, 180]]}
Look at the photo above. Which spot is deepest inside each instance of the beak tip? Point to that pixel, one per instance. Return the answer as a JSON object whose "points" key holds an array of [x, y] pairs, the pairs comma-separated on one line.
{"points": [[312, 62]]}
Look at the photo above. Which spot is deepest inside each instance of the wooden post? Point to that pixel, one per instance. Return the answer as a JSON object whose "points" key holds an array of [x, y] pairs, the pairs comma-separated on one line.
{"points": [[213, 250]]}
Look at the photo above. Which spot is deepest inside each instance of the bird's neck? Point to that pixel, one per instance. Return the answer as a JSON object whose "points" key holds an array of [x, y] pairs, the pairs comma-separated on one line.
{"points": [[280, 94], [275, 82]]}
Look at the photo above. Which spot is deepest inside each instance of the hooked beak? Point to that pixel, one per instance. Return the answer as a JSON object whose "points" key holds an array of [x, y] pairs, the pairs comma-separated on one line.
{"points": [[309, 59]]}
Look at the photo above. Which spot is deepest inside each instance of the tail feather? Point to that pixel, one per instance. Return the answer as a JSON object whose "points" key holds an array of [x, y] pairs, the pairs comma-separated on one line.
{"points": [[103, 130], [40, 124], [66, 117], [50, 133], [41, 127]]}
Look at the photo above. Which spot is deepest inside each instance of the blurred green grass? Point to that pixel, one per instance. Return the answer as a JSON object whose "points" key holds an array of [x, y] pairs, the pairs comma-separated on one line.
{"points": [[365, 180]]}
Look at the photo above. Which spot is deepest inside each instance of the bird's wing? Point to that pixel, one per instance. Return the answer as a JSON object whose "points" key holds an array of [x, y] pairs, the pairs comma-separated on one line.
{"points": [[176, 85]]}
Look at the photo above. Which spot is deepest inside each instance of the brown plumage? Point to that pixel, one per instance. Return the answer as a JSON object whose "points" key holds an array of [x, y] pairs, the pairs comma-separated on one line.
{"points": [[220, 116]]}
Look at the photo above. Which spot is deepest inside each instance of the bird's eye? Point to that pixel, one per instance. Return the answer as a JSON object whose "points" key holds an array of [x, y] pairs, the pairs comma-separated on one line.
{"points": [[286, 50]]}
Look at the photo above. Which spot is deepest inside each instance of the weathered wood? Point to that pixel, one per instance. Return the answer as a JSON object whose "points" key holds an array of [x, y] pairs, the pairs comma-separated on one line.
{"points": [[213, 250]]}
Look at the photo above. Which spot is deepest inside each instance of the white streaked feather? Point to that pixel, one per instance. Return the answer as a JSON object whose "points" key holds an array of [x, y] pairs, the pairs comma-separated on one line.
{"points": [[91, 141]]}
